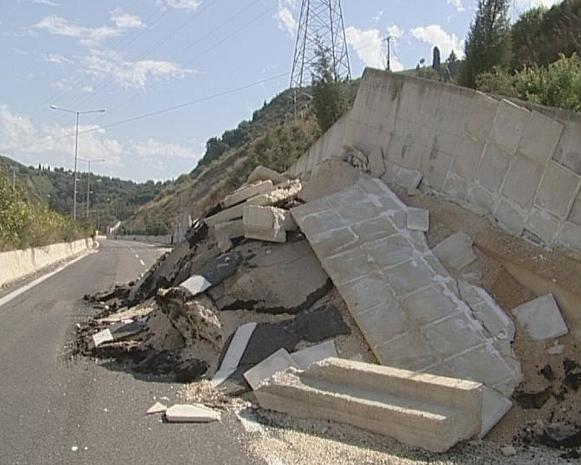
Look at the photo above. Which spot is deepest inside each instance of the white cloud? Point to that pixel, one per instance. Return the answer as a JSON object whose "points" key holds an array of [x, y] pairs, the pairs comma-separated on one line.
{"points": [[435, 35], [522, 5], [180, 4], [57, 59], [369, 46], [45, 2], [457, 4], [104, 64], [286, 16], [89, 36], [395, 31], [53, 143]]}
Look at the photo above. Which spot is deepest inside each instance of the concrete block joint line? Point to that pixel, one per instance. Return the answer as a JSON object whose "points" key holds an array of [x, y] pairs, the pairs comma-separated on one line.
{"points": [[503, 158]]}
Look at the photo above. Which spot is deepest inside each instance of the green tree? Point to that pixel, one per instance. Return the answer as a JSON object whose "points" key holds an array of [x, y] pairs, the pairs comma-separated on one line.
{"points": [[488, 42], [329, 102], [437, 59]]}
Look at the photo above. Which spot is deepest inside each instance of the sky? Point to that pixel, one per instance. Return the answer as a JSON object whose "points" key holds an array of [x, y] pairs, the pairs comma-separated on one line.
{"points": [[173, 73]]}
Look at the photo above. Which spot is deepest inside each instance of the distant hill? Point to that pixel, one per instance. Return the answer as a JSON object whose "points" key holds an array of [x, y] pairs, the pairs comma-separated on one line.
{"points": [[272, 138], [111, 200]]}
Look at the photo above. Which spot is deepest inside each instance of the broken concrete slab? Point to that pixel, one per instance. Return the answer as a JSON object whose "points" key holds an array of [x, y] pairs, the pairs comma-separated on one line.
{"points": [[246, 192], [418, 219], [420, 410], [408, 179], [230, 214], [186, 413], [541, 318], [282, 194], [329, 177], [262, 173], [226, 232], [234, 353], [196, 285], [158, 407], [102, 337], [306, 357], [455, 252], [494, 407], [264, 223], [277, 362]]}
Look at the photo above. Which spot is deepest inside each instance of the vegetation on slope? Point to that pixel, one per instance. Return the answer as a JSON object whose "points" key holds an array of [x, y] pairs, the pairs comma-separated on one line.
{"points": [[25, 223]]}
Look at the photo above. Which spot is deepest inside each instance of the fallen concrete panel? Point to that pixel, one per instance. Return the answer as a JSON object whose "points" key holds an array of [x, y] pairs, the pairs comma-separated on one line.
{"points": [[275, 363], [262, 173], [455, 252], [418, 219], [306, 357], [541, 318], [494, 407], [234, 353], [246, 192], [421, 410], [403, 300], [196, 285], [191, 414], [264, 223]]}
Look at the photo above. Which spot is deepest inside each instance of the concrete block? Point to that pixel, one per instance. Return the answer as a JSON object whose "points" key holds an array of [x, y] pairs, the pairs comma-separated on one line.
{"points": [[570, 235], [455, 252], [375, 228], [381, 324], [262, 173], [279, 361], [541, 318], [346, 266], [246, 192], [306, 357], [522, 180], [417, 409], [366, 292], [493, 167], [510, 219], [418, 219], [196, 285], [540, 138], [389, 251], [542, 225], [319, 222], [409, 276], [435, 167], [226, 232], [408, 179], [333, 242], [508, 126], [575, 215], [234, 353], [467, 157], [191, 414], [456, 186], [568, 151], [428, 305], [558, 190], [479, 123], [453, 335], [481, 199], [264, 223], [494, 407], [102, 337], [223, 216]]}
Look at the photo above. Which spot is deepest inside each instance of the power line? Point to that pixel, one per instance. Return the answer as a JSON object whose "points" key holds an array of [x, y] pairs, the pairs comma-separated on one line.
{"points": [[150, 114]]}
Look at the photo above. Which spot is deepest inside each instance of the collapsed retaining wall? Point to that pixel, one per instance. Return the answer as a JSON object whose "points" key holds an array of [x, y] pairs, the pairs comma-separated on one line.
{"points": [[166, 240], [518, 162], [17, 264]]}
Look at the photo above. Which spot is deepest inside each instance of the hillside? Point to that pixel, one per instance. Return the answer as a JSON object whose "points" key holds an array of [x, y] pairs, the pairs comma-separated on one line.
{"points": [[112, 199], [271, 138]]}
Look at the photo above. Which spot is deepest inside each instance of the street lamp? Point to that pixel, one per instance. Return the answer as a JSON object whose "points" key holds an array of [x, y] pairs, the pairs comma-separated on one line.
{"points": [[77, 113], [94, 160]]}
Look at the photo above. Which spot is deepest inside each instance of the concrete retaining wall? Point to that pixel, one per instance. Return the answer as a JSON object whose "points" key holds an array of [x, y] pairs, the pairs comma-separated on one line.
{"points": [[17, 264], [166, 240], [517, 162]]}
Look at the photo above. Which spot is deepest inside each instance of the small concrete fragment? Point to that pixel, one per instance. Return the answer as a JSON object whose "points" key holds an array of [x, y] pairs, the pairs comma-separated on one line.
{"points": [[246, 192], [234, 353], [279, 361], [556, 349], [455, 252], [158, 407], [262, 173], [494, 407], [306, 357], [418, 219], [264, 223], [408, 179], [102, 337], [183, 413], [541, 318], [196, 285], [418, 409]]}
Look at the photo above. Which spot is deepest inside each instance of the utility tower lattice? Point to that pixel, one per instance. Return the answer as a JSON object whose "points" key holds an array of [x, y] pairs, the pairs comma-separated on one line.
{"points": [[320, 25]]}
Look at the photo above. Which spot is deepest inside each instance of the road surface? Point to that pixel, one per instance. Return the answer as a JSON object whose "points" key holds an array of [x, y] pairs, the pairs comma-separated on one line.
{"points": [[56, 411]]}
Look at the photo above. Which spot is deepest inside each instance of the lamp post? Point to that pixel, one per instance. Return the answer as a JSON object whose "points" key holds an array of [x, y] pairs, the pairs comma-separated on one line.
{"points": [[78, 114], [100, 160]]}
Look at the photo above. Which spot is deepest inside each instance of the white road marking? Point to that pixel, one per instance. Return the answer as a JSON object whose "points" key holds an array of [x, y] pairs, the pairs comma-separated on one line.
{"points": [[7, 298]]}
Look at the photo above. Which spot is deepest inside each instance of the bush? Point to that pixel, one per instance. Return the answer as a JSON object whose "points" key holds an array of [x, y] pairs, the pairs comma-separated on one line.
{"points": [[556, 85]]}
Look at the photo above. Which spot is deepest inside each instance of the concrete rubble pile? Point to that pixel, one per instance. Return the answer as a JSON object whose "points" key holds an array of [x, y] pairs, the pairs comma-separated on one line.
{"points": [[263, 290]]}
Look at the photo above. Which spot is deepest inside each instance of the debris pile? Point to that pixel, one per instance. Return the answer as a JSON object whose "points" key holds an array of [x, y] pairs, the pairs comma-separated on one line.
{"points": [[324, 299]]}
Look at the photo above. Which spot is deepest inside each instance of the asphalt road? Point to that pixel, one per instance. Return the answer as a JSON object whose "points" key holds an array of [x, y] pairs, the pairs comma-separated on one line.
{"points": [[57, 411]]}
